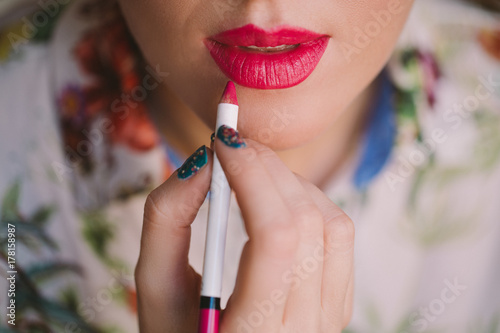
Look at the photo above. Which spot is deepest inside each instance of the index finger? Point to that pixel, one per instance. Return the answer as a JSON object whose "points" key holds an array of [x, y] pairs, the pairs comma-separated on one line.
{"points": [[273, 238]]}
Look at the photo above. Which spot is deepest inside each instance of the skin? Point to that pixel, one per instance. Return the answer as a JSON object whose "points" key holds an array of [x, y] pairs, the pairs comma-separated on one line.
{"points": [[282, 205], [314, 106]]}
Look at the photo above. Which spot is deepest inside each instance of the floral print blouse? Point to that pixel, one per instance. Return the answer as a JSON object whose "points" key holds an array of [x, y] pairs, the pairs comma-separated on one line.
{"points": [[79, 154]]}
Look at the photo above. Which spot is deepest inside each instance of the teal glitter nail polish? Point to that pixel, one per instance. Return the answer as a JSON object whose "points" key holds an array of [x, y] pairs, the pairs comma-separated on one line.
{"points": [[230, 137], [193, 164]]}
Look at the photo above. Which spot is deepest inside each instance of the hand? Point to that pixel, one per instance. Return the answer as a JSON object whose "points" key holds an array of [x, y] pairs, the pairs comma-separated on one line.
{"points": [[295, 271]]}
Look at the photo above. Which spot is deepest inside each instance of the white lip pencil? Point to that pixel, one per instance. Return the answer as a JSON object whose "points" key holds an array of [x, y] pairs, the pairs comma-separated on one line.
{"points": [[220, 197]]}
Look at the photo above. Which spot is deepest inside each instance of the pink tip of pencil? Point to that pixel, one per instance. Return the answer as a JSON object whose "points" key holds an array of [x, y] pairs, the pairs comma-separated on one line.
{"points": [[229, 95]]}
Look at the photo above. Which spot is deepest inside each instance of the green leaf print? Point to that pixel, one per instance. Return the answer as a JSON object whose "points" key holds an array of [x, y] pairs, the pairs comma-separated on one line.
{"points": [[9, 203], [41, 272], [35, 312], [98, 233]]}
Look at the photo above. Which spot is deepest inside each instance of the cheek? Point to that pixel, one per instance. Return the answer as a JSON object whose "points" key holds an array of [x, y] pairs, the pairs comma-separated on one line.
{"points": [[368, 37], [170, 35]]}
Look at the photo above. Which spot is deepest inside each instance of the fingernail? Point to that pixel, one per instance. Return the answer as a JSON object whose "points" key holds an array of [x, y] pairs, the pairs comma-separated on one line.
{"points": [[212, 137], [193, 164], [230, 137]]}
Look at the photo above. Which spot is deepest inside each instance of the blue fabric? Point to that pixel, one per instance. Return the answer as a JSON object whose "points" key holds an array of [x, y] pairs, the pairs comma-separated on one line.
{"points": [[379, 136]]}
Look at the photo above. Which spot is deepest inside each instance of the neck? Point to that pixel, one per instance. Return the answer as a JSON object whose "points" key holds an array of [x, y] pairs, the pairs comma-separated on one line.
{"points": [[177, 123], [317, 161]]}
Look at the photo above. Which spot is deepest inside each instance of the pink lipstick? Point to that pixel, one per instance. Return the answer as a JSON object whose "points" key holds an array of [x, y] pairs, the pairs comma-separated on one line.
{"points": [[267, 59], [229, 94]]}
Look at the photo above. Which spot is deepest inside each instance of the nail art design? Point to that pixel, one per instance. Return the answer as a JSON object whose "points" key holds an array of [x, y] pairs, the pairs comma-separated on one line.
{"points": [[212, 137], [230, 137], [193, 164]]}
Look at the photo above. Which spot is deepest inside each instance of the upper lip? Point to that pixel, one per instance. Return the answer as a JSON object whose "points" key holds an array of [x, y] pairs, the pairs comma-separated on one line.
{"points": [[251, 35]]}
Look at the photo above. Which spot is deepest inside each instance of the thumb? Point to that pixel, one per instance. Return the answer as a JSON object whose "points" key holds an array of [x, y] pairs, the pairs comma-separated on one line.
{"points": [[165, 281]]}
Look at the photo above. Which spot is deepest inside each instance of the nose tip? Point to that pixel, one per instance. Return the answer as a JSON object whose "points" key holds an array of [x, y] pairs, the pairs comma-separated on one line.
{"points": [[264, 13]]}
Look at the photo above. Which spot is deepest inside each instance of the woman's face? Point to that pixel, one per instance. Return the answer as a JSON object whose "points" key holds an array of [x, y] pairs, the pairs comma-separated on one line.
{"points": [[287, 95]]}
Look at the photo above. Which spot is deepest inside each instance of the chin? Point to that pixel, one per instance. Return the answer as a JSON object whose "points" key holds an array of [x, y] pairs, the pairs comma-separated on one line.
{"points": [[281, 127]]}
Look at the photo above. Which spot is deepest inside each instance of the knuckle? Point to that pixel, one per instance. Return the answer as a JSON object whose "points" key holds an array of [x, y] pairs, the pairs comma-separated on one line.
{"points": [[309, 221], [280, 239], [141, 280], [152, 209], [340, 233], [138, 275], [307, 216], [330, 209], [157, 209]]}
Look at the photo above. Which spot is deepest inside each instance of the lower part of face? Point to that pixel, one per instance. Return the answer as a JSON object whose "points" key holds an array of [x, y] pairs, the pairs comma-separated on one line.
{"points": [[361, 36]]}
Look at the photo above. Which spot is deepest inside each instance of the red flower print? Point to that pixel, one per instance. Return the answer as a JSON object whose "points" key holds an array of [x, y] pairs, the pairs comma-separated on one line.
{"points": [[490, 41], [431, 75], [131, 298], [108, 55]]}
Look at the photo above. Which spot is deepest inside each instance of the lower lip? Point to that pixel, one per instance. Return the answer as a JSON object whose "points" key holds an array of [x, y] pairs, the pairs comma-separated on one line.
{"points": [[268, 70]]}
